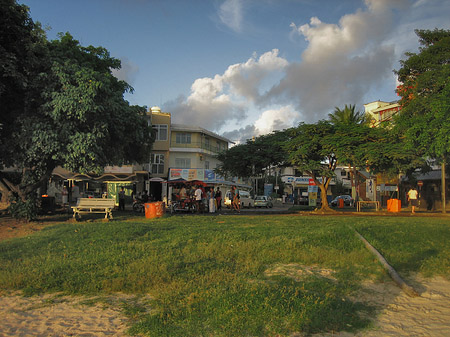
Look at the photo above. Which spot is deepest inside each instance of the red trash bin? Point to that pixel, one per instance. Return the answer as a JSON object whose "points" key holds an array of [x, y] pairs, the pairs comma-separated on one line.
{"points": [[341, 203]]}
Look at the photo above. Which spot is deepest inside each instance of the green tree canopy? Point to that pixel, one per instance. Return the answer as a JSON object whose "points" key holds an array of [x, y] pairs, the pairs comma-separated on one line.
{"points": [[253, 157], [312, 149], [425, 99], [425, 95], [71, 111]]}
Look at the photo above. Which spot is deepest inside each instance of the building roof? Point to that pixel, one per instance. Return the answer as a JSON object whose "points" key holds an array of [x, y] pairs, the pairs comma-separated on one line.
{"points": [[190, 128]]}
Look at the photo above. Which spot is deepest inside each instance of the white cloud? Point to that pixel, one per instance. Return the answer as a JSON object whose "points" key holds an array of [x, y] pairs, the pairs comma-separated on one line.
{"points": [[245, 79], [226, 97], [345, 62], [276, 119], [230, 13], [342, 61]]}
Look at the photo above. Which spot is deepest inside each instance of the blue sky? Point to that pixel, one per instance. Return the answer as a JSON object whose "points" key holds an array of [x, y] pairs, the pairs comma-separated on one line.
{"points": [[243, 68]]}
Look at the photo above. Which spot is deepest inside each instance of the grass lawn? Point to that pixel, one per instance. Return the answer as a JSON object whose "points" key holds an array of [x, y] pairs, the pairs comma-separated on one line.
{"points": [[227, 275]]}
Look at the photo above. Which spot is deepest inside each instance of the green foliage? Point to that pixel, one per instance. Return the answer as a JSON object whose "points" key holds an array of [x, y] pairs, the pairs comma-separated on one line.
{"points": [[425, 95], [63, 106], [348, 116], [312, 149], [251, 158], [27, 209]]}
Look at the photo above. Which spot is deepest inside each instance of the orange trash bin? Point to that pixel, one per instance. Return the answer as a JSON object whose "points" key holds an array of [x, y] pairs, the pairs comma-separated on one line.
{"points": [[150, 210], [394, 205], [159, 209], [341, 203], [154, 210]]}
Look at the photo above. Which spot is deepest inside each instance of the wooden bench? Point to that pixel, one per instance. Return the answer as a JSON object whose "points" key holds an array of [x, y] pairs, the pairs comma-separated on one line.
{"points": [[94, 205]]}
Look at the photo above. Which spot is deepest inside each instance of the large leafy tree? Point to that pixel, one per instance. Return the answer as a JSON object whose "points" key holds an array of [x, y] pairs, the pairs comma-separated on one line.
{"points": [[312, 149], [71, 112], [254, 156], [425, 97]]}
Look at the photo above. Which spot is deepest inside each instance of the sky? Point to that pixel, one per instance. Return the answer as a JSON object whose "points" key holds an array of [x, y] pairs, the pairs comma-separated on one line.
{"points": [[244, 68]]}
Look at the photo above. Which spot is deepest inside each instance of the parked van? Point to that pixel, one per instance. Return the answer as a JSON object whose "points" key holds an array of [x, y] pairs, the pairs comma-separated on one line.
{"points": [[244, 197]]}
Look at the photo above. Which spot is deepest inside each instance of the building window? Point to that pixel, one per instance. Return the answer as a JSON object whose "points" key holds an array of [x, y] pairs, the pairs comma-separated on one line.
{"points": [[343, 173], [161, 131], [183, 162], [157, 161], [207, 165], [183, 138]]}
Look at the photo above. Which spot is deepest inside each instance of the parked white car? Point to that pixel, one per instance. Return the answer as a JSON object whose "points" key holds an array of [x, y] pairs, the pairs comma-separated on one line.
{"points": [[263, 201], [246, 199]]}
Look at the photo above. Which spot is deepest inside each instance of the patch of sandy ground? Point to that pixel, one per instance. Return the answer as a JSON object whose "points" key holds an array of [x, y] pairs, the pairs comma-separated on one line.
{"points": [[398, 314], [58, 316], [47, 315]]}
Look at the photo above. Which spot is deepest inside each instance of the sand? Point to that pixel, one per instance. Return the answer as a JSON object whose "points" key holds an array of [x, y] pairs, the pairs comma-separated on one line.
{"points": [[53, 315], [398, 314]]}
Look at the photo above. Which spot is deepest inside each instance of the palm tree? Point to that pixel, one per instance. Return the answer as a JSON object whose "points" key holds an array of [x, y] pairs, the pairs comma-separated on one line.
{"points": [[347, 116]]}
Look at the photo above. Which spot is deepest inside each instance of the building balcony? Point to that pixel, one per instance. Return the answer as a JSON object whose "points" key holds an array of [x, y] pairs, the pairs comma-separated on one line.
{"points": [[195, 147]]}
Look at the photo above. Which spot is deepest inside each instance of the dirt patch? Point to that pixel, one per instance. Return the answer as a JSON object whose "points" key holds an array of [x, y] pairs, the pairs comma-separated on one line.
{"points": [[297, 272], [12, 228], [401, 315], [397, 313]]}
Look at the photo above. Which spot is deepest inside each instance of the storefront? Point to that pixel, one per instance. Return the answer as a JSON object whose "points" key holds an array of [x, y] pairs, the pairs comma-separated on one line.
{"points": [[106, 185], [189, 178]]}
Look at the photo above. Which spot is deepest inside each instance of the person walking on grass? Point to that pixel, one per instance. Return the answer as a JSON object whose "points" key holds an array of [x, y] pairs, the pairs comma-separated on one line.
{"points": [[413, 199]]}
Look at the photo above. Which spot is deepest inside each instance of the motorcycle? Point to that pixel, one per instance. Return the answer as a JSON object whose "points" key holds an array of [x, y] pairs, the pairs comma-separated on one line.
{"points": [[138, 205], [185, 205]]}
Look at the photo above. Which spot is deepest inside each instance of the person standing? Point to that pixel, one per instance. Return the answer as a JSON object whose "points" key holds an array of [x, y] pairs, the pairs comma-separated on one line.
{"points": [[122, 200], [198, 198], [235, 201], [218, 197], [65, 196], [413, 199]]}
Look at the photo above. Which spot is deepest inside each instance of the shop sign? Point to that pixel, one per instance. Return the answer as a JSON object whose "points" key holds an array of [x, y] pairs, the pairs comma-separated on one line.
{"points": [[195, 174]]}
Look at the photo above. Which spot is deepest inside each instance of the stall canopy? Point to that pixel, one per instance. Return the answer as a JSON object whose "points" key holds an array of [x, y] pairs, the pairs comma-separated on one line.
{"points": [[111, 177]]}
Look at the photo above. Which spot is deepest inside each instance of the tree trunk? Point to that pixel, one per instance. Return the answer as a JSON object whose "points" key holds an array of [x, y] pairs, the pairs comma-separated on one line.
{"points": [[443, 185], [352, 180], [323, 195]]}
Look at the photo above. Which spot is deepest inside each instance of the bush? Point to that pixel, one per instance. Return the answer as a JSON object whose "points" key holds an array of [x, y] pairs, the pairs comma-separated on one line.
{"points": [[20, 209]]}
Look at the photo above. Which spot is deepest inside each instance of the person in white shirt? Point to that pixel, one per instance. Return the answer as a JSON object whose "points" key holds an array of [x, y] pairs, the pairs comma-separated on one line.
{"points": [[198, 198], [413, 199]]}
